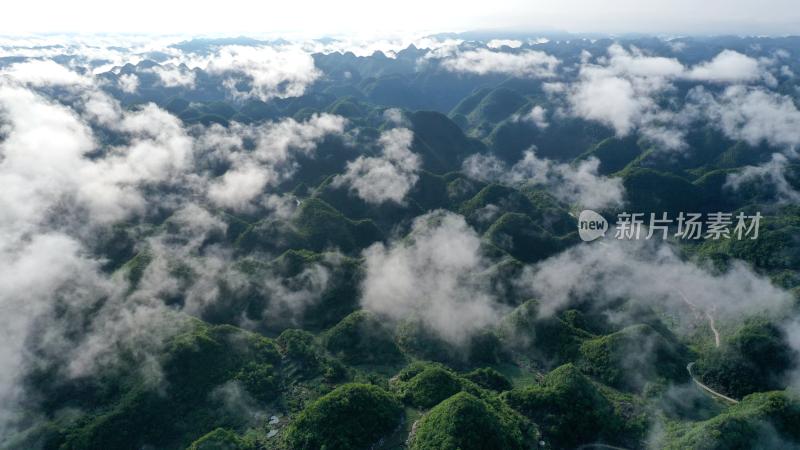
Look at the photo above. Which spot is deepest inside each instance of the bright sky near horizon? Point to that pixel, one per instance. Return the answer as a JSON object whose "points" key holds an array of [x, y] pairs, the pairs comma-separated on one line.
{"points": [[307, 18]]}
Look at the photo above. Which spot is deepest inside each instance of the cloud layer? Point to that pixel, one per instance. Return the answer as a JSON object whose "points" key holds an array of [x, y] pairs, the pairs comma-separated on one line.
{"points": [[388, 177], [577, 184], [433, 276]]}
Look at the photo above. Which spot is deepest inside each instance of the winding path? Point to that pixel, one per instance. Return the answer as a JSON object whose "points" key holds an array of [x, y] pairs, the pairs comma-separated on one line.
{"points": [[699, 383], [713, 326], [708, 389], [708, 315]]}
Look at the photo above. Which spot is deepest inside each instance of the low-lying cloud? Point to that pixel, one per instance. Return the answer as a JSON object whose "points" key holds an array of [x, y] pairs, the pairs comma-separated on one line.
{"points": [[262, 72], [524, 64], [578, 184], [651, 274], [433, 276], [388, 177], [621, 90], [269, 162]]}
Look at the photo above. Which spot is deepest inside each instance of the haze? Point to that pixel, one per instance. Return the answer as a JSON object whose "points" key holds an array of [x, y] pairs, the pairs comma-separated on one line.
{"points": [[315, 18]]}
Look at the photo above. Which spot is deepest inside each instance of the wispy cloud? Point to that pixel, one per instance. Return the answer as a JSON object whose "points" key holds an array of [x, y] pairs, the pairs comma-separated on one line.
{"points": [[578, 184], [432, 276], [388, 177], [526, 63]]}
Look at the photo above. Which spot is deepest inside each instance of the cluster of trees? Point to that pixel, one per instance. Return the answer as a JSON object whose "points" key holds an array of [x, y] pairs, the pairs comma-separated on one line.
{"points": [[346, 379]]}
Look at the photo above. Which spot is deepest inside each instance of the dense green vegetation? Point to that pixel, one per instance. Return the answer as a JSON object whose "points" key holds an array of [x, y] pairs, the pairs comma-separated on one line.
{"points": [[489, 378], [763, 420], [197, 361], [426, 385], [571, 410], [362, 338], [278, 352], [465, 422], [609, 358], [755, 359], [219, 439], [352, 416]]}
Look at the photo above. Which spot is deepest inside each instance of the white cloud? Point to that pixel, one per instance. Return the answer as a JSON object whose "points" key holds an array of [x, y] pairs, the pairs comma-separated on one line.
{"points": [[46, 72], [727, 67], [62, 186], [388, 177], [677, 46], [634, 64], [395, 116], [498, 43], [159, 151], [792, 330], [268, 72], [248, 72], [34, 173], [756, 115], [389, 46], [34, 274], [650, 274], [620, 91], [238, 187], [128, 83], [575, 184], [432, 276], [271, 161], [529, 63], [609, 100], [174, 76], [54, 193], [45, 156], [771, 173], [752, 114], [53, 166], [536, 116]]}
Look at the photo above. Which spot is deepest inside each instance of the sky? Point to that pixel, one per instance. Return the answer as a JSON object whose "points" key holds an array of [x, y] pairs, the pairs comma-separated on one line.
{"points": [[369, 17]]}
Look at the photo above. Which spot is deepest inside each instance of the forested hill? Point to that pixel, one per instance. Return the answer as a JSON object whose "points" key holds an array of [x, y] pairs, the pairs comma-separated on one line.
{"points": [[244, 244]]}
